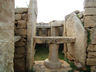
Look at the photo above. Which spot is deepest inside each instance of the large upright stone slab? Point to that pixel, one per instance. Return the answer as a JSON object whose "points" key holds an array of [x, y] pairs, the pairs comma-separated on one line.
{"points": [[74, 28], [6, 35], [31, 31]]}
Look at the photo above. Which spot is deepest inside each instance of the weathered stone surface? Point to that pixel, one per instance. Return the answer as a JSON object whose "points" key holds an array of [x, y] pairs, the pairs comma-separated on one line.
{"points": [[24, 16], [91, 48], [90, 11], [17, 16], [20, 44], [22, 24], [91, 54], [20, 50], [93, 68], [74, 28], [91, 61], [54, 40], [40, 67], [6, 35], [19, 65], [89, 21], [21, 32], [17, 38], [89, 3], [31, 31], [93, 35], [21, 10]]}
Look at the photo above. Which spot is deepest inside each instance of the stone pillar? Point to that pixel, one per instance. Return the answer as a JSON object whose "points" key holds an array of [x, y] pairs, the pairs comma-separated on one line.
{"points": [[53, 60], [6, 35], [31, 31]]}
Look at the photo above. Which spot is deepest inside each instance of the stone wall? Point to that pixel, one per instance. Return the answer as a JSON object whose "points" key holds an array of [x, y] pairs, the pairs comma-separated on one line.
{"points": [[21, 45], [90, 25]]}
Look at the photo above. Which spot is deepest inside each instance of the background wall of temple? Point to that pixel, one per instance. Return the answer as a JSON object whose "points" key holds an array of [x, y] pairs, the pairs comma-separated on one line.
{"points": [[21, 45]]}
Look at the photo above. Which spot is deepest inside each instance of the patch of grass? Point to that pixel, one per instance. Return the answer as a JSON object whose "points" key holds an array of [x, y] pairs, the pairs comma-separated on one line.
{"points": [[41, 52]]}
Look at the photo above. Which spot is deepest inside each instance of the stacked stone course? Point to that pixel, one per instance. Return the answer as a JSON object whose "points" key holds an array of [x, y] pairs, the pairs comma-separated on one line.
{"points": [[90, 25], [21, 45]]}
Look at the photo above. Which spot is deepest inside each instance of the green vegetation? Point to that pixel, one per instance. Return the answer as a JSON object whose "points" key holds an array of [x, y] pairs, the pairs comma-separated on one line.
{"points": [[41, 52], [88, 36]]}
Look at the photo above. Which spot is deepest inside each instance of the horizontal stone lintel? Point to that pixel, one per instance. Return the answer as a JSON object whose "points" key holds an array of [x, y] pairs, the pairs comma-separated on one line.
{"points": [[48, 25], [54, 40]]}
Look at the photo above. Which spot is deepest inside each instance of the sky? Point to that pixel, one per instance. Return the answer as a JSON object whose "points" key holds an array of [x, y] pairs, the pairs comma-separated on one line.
{"points": [[49, 10]]}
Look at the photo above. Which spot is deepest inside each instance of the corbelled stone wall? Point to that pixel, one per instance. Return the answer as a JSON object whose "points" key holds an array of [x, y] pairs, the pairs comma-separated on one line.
{"points": [[90, 25], [21, 17]]}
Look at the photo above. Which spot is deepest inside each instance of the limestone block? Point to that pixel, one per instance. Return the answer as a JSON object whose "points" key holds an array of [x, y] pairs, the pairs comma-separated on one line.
{"points": [[24, 16], [19, 65], [20, 50], [21, 10], [91, 48], [91, 61], [93, 68], [93, 35], [74, 28], [17, 16], [6, 35], [91, 54], [89, 21], [21, 32], [89, 3], [90, 11], [22, 24], [17, 38], [20, 43]]}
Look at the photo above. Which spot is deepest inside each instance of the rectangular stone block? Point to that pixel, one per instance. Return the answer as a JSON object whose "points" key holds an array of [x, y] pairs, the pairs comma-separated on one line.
{"points": [[21, 24], [91, 54], [24, 16], [90, 11], [19, 65], [91, 61], [90, 4], [93, 35], [91, 48], [21, 10], [90, 21], [21, 32], [17, 16], [20, 44]]}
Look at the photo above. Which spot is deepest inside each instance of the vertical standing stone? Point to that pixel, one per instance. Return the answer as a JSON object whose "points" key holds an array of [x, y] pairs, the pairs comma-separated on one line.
{"points": [[74, 28], [6, 35], [31, 31]]}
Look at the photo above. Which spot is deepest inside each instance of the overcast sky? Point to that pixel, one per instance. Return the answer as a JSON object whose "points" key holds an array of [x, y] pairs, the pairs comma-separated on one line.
{"points": [[49, 10]]}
